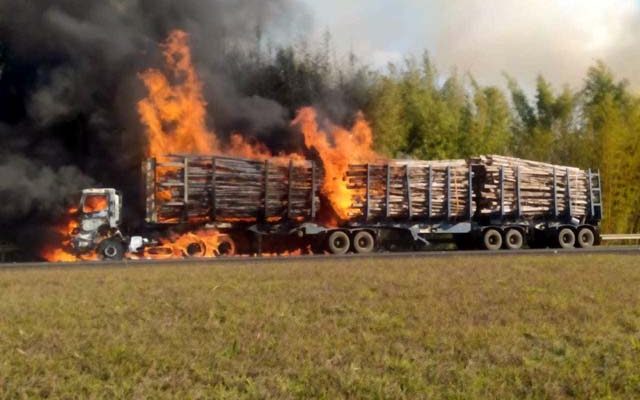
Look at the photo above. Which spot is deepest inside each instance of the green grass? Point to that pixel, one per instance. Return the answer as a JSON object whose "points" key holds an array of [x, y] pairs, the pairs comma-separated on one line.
{"points": [[510, 327]]}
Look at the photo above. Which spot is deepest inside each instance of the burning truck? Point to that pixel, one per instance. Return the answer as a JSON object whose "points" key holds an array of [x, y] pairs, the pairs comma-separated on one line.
{"points": [[489, 202], [205, 196]]}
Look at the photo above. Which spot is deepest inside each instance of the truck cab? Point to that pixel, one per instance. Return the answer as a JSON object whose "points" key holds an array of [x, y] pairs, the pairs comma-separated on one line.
{"points": [[99, 218]]}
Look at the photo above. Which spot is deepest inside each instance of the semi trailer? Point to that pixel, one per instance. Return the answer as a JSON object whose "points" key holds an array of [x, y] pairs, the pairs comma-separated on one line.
{"points": [[489, 202]]}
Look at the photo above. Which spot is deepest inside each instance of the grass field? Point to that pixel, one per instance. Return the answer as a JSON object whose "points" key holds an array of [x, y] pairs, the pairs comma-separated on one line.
{"points": [[504, 327]]}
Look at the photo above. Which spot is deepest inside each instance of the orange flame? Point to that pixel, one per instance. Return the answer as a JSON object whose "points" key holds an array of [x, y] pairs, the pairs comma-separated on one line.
{"points": [[202, 243], [174, 116], [94, 203], [58, 253], [174, 113], [337, 148]]}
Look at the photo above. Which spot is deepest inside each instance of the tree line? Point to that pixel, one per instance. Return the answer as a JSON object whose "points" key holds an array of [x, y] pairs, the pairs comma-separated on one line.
{"points": [[417, 111]]}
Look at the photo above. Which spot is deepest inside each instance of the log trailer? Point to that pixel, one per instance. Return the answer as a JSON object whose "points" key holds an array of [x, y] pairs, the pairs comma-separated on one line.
{"points": [[489, 202]]}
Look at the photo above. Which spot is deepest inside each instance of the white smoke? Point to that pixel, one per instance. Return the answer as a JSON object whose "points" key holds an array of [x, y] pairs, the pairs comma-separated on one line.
{"points": [[557, 38]]}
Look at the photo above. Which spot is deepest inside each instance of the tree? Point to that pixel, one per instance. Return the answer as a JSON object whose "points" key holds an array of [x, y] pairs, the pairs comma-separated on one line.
{"points": [[488, 129], [387, 114], [613, 136]]}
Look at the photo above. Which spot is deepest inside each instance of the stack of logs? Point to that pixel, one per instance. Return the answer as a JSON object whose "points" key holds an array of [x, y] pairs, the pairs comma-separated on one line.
{"points": [[197, 189], [536, 187], [410, 194]]}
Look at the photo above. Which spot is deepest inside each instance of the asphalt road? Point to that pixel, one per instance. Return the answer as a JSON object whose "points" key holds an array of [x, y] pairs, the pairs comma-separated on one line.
{"points": [[621, 250]]}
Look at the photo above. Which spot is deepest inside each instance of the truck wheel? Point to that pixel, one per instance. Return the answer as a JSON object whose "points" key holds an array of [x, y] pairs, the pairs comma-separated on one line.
{"points": [[586, 238], [492, 239], [338, 242], [513, 239], [566, 238], [196, 249], [226, 246], [111, 249], [363, 242]]}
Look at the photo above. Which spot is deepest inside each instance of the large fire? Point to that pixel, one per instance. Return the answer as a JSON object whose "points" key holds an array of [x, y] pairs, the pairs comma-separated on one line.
{"points": [[174, 112], [174, 116], [201, 243], [337, 148], [57, 253]]}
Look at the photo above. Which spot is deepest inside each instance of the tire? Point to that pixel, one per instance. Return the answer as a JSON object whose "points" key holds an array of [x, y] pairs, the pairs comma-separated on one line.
{"points": [[196, 249], [111, 249], [363, 242], [586, 238], [338, 242], [226, 247], [513, 239], [492, 239], [566, 238]]}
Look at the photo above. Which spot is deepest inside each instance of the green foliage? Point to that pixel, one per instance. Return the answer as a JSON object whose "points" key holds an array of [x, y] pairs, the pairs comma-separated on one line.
{"points": [[415, 115], [489, 130], [440, 328], [613, 129], [418, 112]]}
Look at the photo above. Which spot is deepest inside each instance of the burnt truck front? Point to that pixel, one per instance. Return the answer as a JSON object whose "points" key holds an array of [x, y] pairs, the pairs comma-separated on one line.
{"points": [[99, 218]]}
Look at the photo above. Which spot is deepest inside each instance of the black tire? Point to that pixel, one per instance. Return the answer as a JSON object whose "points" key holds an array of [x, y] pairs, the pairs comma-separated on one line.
{"points": [[338, 242], [111, 249], [566, 238], [196, 249], [586, 238], [364, 242], [226, 247], [492, 239], [513, 239]]}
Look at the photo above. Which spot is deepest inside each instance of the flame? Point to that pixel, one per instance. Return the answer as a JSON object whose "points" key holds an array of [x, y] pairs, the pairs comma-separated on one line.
{"points": [[202, 243], [58, 253], [94, 203], [337, 148], [239, 146], [298, 252], [174, 112], [174, 117]]}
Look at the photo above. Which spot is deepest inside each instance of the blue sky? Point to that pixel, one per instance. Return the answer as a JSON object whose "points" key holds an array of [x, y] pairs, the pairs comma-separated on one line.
{"points": [[559, 38]]}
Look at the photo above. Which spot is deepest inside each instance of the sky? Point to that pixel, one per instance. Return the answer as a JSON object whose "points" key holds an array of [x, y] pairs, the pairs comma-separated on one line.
{"points": [[557, 38]]}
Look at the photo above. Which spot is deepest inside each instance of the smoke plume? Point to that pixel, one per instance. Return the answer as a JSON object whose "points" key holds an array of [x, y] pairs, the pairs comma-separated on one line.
{"points": [[69, 83]]}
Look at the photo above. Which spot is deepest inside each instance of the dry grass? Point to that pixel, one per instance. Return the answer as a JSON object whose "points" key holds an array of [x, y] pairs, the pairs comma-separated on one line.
{"points": [[515, 327]]}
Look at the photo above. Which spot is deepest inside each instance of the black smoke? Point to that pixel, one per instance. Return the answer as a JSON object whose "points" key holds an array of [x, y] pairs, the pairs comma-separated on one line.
{"points": [[69, 86]]}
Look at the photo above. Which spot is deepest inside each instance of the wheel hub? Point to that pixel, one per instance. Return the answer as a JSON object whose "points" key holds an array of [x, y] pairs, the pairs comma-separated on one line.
{"points": [[110, 251]]}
